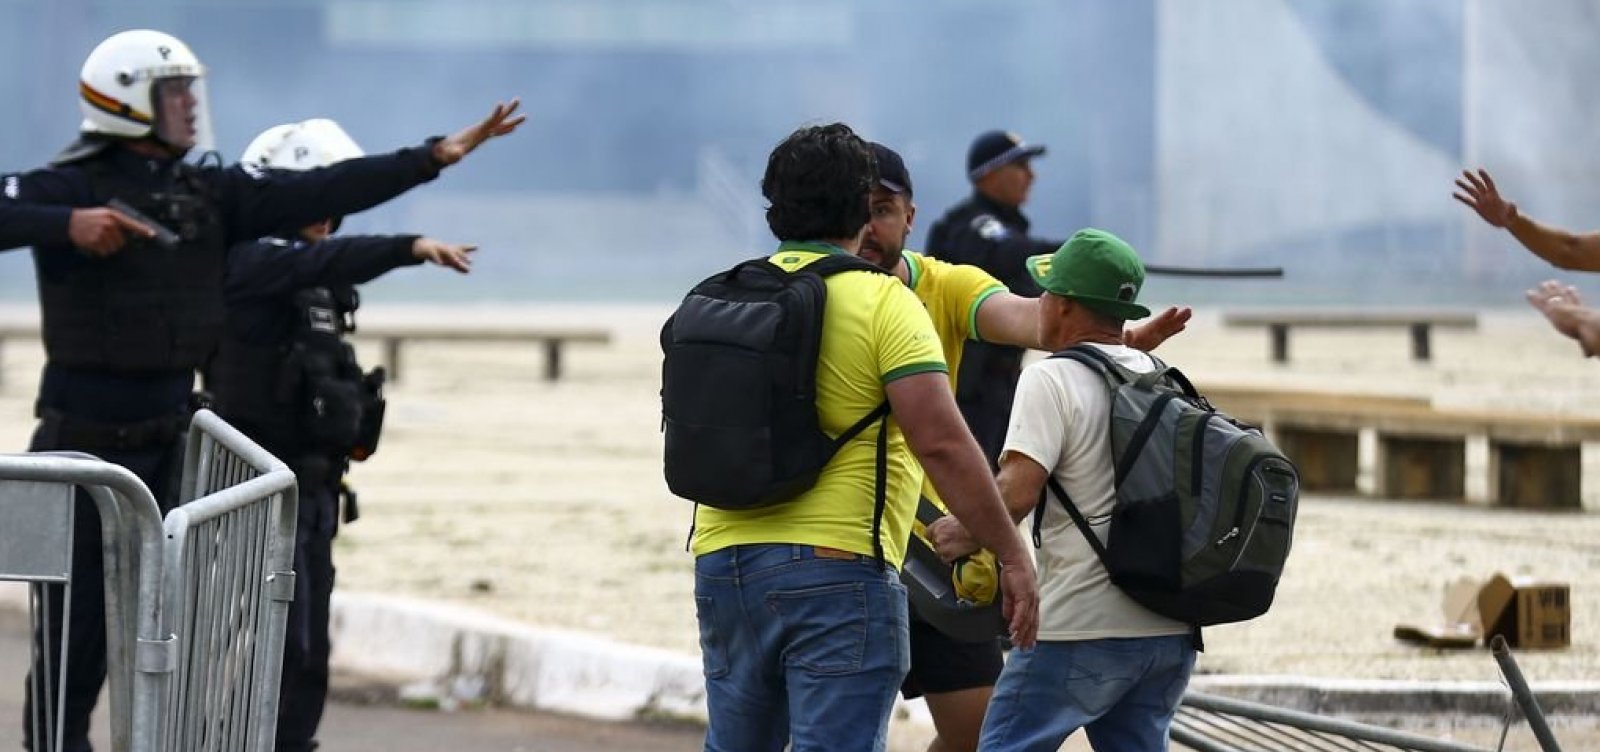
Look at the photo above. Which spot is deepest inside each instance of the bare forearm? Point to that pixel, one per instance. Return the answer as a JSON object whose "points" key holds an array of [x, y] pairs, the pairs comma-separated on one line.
{"points": [[961, 474], [1561, 248], [1020, 496]]}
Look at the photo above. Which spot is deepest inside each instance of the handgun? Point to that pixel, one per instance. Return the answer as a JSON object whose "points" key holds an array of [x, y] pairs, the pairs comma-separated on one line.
{"points": [[164, 237]]}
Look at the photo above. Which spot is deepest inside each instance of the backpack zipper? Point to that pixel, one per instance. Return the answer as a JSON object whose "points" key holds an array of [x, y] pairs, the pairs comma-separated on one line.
{"points": [[1239, 510]]}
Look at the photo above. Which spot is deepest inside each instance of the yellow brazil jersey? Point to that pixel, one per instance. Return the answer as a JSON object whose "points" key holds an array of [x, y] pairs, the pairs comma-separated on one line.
{"points": [[952, 294], [873, 332]]}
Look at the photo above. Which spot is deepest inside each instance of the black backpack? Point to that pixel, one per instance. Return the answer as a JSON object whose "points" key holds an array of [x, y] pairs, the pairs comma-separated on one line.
{"points": [[738, 388], [1205, 505]]}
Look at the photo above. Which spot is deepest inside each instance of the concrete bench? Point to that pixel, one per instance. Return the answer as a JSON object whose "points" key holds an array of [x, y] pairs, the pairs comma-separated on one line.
{"points": [[393, 336], [1420, 322], [1328, 460], [554, 339], [1535, 459]]}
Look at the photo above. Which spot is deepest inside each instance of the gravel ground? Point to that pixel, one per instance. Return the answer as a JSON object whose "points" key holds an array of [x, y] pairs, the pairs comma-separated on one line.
{"points": [[544, 502]]}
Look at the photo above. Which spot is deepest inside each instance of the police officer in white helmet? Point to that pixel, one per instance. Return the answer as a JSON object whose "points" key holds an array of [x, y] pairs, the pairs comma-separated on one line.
{"points": [[132, 305], [286, 377]]}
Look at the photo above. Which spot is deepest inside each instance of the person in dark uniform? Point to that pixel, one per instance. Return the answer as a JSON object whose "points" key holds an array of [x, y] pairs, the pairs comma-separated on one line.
{"points": [[131, 307], [988, 230], [286, 377]]}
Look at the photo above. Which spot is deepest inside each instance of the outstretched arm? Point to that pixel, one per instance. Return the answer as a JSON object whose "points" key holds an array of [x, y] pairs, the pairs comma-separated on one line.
{"points": [[1010, 319], [264, 269], [1006, 318], [1562, 248], [258, 202]]}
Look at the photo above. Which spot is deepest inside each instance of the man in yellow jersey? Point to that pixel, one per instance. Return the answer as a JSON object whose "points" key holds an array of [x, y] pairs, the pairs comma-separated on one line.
{"points": [[802, 629], [964, 302]]}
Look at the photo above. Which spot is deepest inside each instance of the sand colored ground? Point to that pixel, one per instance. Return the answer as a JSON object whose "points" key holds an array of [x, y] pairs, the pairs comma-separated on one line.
{"points": [[545, 502]]}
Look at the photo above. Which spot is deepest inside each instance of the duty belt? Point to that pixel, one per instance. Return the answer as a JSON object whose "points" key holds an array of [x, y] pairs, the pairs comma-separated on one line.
{"points": [[92, 436]]}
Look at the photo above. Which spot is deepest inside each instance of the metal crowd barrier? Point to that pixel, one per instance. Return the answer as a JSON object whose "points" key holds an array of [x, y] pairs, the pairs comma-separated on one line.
{"points": [[37, 500], [1208, 723], [228, 580], [195, 607]]}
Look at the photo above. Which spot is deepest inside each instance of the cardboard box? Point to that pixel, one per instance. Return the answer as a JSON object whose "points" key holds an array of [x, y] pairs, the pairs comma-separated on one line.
{"points": [[1530, 613], [1458, 629]]}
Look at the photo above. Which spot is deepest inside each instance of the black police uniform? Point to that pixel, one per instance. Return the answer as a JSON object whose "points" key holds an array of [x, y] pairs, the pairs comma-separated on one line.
{"points": [[285, 376], [124, 334], [993, 237]]}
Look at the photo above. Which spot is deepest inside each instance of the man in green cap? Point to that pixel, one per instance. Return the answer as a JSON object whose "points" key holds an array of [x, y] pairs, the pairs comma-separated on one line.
{"points": [[953, 671], [1134, 663]]}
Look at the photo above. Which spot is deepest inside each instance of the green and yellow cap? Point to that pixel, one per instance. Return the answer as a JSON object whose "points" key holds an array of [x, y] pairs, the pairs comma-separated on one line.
{"points": [[1097, 269]]}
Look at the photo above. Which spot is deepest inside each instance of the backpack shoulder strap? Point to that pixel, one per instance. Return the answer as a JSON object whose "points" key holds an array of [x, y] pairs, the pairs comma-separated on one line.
{"points": [[1176, 377], [1051, 486], [861, 425], [1114, 373], [825, 267]]}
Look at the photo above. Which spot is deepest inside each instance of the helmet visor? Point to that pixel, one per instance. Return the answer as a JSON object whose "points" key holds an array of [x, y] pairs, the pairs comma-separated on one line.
{"points": [[182, 113]]}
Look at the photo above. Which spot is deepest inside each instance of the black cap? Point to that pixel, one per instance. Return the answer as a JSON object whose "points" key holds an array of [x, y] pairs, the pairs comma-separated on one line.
{"points": [[892, 172], [997, 149]]}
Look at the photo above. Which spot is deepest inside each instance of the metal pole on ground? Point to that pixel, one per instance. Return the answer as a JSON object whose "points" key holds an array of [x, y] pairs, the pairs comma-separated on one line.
{"points": [[1523, 695]]}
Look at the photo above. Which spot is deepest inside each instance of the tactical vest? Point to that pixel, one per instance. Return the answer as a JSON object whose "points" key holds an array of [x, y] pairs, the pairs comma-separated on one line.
{"points": [[307, 395], [145, 307]]}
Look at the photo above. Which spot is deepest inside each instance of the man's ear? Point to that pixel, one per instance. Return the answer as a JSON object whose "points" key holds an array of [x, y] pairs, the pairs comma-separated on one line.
{"points": [[911, 215]]}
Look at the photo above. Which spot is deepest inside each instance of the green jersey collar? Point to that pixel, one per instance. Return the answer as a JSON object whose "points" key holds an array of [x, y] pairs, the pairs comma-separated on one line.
{"points": [[825, 248]]}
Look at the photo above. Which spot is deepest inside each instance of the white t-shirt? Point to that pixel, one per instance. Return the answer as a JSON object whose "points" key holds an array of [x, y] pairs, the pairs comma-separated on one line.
{"points": [[1061, 420]]}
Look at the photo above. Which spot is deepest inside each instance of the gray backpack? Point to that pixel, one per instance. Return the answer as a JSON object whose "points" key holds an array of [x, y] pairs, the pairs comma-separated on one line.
{"points": [[1205, 506]]}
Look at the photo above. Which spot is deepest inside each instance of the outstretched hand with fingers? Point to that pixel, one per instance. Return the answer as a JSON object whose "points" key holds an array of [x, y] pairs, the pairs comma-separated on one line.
{"points": [[1160, 328], [1563, 306], [453, 255], [500, 122], [103, 231], [1480, 194]]}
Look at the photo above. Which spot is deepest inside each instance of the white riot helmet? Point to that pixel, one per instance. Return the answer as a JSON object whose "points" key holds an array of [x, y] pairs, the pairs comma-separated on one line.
{"points": [[305, 145], [118, 90]]}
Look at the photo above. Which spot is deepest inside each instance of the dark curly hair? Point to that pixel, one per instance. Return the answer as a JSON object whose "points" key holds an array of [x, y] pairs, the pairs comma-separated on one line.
{"points": [[818, 182]]}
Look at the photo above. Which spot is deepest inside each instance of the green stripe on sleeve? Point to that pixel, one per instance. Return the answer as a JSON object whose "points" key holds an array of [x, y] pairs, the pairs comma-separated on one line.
{"points": [[912, 369], [972, 310], [913, 269]]}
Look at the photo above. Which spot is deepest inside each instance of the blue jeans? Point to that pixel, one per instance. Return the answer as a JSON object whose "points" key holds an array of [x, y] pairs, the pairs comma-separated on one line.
{"points": [[1123, 692], [799, 648]]}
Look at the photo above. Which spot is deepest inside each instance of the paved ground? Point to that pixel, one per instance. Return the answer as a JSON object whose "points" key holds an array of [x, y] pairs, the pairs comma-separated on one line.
{"points": [[365, 719], [357, 727]]}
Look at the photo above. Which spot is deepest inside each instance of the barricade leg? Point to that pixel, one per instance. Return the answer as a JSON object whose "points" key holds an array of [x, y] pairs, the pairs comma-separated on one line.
{"points": [[77, 677], [306, 648]]}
